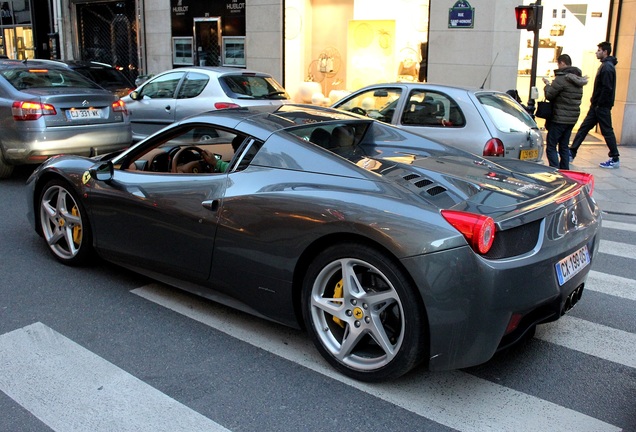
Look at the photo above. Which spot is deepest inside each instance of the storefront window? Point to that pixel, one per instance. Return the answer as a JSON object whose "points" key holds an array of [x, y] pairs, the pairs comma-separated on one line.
{"points": [[573, 29], [339, 47], [16, 35]]}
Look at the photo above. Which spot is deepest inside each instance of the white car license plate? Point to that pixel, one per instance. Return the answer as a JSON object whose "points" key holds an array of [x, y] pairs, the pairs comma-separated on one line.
{"points": [[569, 266], [529, 154], [77, 114]]}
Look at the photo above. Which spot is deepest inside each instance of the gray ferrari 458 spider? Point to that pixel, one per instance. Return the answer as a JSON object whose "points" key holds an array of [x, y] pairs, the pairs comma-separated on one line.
{"points": [[392, 250]]}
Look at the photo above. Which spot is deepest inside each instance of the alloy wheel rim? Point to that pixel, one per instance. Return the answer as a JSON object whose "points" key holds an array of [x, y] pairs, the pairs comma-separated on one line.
{"points": [[61, 222], [357, 314]]}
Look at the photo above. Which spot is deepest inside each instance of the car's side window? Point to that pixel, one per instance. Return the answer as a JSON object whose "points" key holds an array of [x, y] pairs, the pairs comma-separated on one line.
{"points": [[196, 149], [432, 109], [162, 87], [193, 85], [379, 103]]}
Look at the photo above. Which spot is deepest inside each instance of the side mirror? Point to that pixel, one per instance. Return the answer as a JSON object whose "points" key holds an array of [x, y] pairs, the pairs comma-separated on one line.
{"points": [[134, 95], [103, 171]]}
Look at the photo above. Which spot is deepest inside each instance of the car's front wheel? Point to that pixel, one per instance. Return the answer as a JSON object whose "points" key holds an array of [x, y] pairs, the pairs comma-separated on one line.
{"points": [[363, 314], [64, 223]]}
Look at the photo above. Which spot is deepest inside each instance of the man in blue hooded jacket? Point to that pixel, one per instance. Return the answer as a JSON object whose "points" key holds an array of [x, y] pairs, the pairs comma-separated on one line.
{"points": [[601, 107]]}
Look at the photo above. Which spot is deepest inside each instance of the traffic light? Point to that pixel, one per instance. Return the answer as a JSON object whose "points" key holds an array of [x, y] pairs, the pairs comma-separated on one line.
{"points": [[529, 17]]}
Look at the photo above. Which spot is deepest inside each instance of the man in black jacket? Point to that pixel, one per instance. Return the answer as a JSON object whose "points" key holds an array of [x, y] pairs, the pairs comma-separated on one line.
{"points": [[565, 94], [601, 107]]}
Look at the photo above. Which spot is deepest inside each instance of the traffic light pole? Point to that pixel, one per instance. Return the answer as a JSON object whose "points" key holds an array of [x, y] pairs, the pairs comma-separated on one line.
{"points": [[533, 70]]}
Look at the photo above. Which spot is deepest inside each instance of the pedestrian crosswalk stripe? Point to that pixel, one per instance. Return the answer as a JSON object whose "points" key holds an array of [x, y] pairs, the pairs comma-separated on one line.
{"points": [[619, 226], [72, 389], [610, 284], [617, 249], [441, 397], [611, 344]]}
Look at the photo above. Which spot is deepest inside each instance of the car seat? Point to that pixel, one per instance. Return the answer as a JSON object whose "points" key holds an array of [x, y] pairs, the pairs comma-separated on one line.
{"points": [[321, 137]]}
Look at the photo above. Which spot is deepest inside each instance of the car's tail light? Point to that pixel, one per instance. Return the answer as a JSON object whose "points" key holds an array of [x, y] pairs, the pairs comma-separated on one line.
{"points": [[22, 110], [494, 147], [224, 105], [583, 178], [119, 106], [478, 230]]}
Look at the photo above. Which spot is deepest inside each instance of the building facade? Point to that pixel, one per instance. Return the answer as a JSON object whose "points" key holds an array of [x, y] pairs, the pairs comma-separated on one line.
{"points": [[321, 49]]}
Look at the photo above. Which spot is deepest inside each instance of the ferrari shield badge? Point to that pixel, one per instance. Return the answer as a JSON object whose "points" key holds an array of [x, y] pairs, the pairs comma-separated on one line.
{"points": [[86, 177]]}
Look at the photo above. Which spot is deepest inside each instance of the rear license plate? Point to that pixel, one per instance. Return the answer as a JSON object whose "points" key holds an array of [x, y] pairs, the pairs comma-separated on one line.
{"points": [[529, 154], [572, 264], [79, 114]]}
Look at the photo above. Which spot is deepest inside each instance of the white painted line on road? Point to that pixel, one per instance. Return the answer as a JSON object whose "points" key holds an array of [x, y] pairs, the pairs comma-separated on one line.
{"points": [[618, 249], [619, 226], [611, 344], [610, 284], [455, 399], [69, 388]]}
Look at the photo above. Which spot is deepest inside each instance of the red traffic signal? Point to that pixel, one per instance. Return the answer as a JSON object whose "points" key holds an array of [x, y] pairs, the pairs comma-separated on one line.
{"points": [[529, 17]]}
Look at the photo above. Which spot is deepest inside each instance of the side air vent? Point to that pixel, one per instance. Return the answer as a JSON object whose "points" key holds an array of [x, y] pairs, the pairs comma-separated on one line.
{"points": [[422, 183], [436, 190]]}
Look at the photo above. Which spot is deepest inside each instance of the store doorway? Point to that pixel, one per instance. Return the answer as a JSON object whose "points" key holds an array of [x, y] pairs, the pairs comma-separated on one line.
{"points": [[107, 33], [207, 41]]}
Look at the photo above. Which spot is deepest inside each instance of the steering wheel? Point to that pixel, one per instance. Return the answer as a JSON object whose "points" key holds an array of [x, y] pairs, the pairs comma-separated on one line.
{"points": [[196, 166], [358, 110]]}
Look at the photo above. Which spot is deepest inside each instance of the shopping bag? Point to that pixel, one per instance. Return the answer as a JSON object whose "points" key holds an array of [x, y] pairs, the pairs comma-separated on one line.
{"points": [[544, 110]]}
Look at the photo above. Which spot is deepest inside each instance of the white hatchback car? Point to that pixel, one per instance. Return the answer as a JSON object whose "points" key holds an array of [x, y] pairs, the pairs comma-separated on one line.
{"points": [[483, 122], [179, 93]]}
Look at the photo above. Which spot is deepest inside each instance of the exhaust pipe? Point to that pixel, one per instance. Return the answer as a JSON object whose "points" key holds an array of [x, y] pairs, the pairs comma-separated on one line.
{"points": [[572, 299]]}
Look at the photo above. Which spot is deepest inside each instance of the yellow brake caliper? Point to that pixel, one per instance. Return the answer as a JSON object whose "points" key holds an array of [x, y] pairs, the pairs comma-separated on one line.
{"points": [[337, 293], [77, 229]]}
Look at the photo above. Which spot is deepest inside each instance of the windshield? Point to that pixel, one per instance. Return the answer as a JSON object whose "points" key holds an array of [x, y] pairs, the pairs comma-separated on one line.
{"points": [[507, 114]]}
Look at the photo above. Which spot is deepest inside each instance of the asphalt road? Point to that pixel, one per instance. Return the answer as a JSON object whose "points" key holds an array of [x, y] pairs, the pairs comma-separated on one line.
{"points": [[103, 349]]}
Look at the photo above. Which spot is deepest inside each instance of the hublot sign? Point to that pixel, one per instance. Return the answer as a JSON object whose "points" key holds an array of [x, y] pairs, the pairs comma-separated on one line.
{"points": [[180, 9]]}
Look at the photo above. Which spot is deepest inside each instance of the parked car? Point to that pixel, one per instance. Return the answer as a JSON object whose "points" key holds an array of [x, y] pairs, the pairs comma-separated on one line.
{"points": [[484, 122], [105, 75], [390, 249], [179, 93], [45, 111]]}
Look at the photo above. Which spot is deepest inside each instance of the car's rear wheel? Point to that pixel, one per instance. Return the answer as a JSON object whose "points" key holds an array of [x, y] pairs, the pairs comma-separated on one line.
{"points": [[5, 169], [64, 223], [363, 314]]}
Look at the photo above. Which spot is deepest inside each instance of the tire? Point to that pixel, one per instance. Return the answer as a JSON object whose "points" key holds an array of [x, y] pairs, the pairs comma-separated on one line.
{"points": [[372, 328], [5, 169], [64, 224]]}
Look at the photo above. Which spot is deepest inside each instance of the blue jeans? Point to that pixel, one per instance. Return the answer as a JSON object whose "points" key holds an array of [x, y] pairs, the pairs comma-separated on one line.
{"points": [[603, 117], [559, 138]]}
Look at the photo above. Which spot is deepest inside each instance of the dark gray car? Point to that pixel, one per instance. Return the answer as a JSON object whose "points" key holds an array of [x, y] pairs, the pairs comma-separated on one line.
{"points": [[390, 249], [105, 75], [46, 111]]}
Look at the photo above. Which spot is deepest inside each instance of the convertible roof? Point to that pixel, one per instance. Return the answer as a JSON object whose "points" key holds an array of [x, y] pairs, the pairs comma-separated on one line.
{"points": [[263, 120]]}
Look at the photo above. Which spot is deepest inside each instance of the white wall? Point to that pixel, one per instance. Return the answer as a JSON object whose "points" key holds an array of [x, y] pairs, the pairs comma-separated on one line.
{"points": [[158, 36], [464, 56]]}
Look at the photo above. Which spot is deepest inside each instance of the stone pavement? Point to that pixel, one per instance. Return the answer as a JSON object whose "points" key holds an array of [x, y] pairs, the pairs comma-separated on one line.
{"points": [[614, 189]]}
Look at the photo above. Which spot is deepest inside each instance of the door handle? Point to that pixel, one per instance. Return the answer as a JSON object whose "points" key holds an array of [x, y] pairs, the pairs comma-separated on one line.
{"points": [[167, 108], [211, 205]]}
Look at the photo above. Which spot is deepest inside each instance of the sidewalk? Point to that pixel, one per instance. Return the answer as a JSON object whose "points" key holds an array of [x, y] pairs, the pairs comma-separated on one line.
{"points": [[614, 189]]}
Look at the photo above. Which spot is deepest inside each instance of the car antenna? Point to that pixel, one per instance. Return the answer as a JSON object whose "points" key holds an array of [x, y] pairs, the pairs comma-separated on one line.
{"points": [[489, 70]]}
